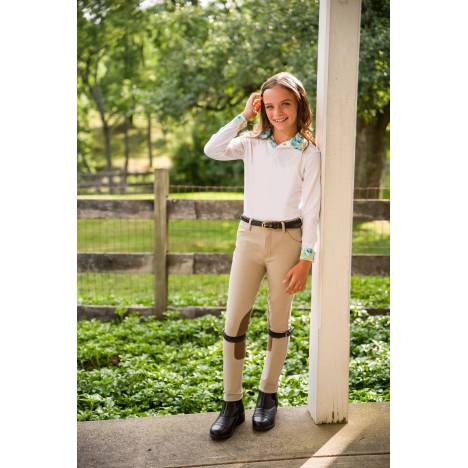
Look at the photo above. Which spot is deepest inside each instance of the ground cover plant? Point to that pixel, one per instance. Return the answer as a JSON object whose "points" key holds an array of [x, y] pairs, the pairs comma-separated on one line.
{"points": [[142, 366], [208, 290]]}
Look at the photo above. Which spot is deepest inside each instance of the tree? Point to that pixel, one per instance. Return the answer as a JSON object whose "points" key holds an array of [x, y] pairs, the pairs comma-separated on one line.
{"points": [[84, 137], [211, 58], [194, 65], [374, 94], [107, 56]]}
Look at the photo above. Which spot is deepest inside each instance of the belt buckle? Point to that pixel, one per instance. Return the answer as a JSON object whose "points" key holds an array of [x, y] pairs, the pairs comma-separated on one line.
{"points": [[267, 224]]}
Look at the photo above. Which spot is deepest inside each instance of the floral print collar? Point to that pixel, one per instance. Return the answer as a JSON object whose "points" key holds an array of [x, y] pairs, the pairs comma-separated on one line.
{"points": [[297, 141]]}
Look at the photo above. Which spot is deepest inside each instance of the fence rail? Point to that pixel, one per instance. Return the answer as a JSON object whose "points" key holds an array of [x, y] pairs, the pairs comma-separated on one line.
{"points": [[87, 312], [114, 173], [121, 182], [200, 263], [117, 181], [364, 210]]}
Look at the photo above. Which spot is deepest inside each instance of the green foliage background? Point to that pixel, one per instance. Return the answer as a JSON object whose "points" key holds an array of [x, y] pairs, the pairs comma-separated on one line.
{"points": [[193, 66]]}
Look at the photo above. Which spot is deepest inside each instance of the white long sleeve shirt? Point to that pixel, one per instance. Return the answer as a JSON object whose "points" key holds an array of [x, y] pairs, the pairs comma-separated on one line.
{"points": [[281, 182]]}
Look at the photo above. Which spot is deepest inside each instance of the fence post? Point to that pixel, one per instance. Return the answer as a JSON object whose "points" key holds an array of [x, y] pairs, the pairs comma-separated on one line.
{"points": [[161, 192], [337, 81]]}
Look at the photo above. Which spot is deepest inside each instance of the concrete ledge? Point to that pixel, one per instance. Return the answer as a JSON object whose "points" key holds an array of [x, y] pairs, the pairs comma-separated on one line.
{"points": [[183, 441], [103, 312]]}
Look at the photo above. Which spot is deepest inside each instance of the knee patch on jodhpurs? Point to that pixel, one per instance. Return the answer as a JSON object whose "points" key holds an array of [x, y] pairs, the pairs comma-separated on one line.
{"points": [[239, 346], [273, 334]]}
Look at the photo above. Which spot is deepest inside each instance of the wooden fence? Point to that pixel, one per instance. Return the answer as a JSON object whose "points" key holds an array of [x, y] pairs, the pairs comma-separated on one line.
{"points": [[161, 263], [117, 181], [121, 182]]}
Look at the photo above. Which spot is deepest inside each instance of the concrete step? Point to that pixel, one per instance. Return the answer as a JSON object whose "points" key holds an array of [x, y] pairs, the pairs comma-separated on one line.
{"points": [[183, 441]]}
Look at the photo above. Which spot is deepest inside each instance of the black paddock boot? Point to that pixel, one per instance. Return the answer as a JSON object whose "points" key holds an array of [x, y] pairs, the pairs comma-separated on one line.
{"points": [[232, 414], [263, 418]]}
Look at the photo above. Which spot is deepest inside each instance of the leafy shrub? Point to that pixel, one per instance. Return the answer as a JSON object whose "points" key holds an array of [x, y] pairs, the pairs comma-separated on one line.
{"points": [[142, 366]]}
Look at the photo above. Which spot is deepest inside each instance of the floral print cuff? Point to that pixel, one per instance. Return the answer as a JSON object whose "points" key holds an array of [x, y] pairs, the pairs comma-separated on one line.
{"points": [[307, 253], [241, 121]]}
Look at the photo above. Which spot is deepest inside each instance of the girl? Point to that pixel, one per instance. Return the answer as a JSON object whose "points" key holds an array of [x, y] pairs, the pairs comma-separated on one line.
{"points": [[276, 236]]}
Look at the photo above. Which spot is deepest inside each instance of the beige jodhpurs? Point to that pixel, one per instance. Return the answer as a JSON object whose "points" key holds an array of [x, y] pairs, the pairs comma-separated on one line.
{"points": [[258, 251]]}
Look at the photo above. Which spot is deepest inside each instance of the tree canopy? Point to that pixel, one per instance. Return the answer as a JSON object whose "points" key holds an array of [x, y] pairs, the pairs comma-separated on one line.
{"points": [[194, 64]]}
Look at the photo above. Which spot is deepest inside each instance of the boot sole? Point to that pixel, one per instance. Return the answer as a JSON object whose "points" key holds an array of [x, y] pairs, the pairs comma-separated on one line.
{"points": [[226, 436]]}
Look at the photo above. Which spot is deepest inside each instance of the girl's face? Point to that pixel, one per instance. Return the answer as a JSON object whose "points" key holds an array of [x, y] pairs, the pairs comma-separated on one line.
{"points": [[281, 108]]}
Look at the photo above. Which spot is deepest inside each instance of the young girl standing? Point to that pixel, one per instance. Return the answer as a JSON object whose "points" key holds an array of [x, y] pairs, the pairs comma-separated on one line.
{"points": [[276, 236]]}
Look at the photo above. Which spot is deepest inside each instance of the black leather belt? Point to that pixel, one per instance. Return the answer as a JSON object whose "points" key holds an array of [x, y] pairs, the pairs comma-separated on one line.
{"points": [[294, 223]]}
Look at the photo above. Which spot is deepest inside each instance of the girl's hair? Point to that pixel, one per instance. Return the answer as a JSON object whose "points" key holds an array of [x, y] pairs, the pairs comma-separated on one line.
{"points": [[304, 114]]}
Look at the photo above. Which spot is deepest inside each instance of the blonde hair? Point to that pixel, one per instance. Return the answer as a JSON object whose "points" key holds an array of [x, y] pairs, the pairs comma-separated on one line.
{"points": [[304, 114]]}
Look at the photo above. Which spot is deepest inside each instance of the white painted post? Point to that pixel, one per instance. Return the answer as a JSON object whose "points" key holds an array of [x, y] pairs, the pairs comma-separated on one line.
{"points": [[337, 81]]}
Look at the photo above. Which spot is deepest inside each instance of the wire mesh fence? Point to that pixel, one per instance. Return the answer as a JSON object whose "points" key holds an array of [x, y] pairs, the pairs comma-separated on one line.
{"points": [[118, 181], [132, 183], [115, 236], [198, 235]]}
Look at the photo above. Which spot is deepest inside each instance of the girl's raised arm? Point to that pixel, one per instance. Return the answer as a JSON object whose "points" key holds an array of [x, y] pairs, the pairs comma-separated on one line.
{"points": [[222, 145]]}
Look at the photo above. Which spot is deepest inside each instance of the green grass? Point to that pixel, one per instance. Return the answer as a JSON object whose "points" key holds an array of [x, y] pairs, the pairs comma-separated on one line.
{"points": [[371, 237], [116, 235], [136, 235], [144, 367]]}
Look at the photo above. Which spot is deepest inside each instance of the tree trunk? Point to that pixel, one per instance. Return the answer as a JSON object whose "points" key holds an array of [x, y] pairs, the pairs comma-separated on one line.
{"points": [[107, 144], [148, 136], [370, 154], [96, 91], [126, 149]]}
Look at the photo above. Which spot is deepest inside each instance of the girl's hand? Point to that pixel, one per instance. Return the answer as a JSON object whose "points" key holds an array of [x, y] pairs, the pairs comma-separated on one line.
{"points": [[297, 277], [252, 106]]}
